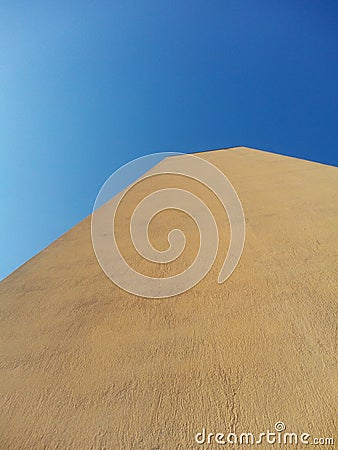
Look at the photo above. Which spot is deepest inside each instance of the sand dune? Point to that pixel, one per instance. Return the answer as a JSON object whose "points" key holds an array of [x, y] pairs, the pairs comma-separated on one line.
{"points": [[85, 365]]}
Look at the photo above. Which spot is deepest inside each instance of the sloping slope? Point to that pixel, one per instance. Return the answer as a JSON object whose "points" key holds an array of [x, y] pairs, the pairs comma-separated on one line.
{"points": [[86, 365]]}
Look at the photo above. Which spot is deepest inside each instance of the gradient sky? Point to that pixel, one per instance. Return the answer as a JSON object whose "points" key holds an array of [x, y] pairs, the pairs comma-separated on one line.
{"points": [[87, 86]]}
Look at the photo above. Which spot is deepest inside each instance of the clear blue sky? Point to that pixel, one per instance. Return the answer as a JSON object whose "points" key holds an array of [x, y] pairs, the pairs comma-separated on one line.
{"points": [[87, 86]]}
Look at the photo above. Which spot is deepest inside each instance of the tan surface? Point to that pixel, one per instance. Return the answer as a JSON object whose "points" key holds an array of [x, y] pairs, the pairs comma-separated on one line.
{"points": [[88, 366]]}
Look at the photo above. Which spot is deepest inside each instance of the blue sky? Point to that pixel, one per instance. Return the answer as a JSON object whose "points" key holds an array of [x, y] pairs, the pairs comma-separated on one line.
{"points": [[87, 86]]}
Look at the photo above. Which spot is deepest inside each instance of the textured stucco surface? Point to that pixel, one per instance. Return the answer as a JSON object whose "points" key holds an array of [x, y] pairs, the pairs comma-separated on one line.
{"points": [[86, 365]]}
